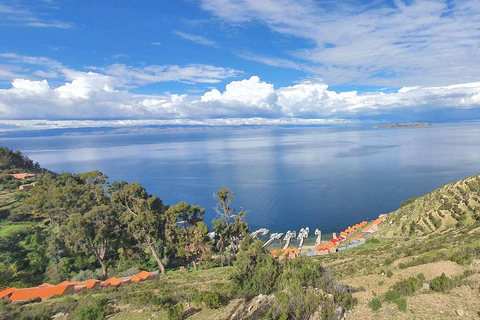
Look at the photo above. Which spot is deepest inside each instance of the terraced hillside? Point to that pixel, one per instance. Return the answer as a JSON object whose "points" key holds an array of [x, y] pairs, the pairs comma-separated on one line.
{"points": [[453, 205]]}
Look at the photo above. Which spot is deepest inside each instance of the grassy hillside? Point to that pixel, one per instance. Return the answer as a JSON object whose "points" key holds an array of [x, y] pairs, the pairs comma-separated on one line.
{"points": [[423, 263], [453, 205]]}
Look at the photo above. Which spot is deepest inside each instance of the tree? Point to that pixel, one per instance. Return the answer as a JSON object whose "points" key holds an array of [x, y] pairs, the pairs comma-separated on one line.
{"points": [[229, 228], [143, 215], [96, 233], [180, 223], [198, 246]]}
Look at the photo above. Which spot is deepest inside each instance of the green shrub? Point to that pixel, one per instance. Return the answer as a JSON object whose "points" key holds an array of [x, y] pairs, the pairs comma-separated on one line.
{"points": [[408, 286], [402, 304], [92, 310], [375, 304], [389, 273], [175, 312], [392, 296], [441, 284], [211, 300], [421, 276]]}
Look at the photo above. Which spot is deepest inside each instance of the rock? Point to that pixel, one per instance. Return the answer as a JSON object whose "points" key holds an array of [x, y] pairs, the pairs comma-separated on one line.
{"points": [[460, 312], [426, 286]]}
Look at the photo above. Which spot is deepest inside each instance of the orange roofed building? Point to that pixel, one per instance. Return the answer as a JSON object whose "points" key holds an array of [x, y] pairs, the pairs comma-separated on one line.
{"points": [[326, 248], [281, 254], [5, 294], [42, 293], [23, 176], [114, 282]]}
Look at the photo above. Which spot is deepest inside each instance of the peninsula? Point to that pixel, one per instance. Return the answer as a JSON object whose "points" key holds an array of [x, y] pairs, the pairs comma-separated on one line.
{"points": [[401, 125]]}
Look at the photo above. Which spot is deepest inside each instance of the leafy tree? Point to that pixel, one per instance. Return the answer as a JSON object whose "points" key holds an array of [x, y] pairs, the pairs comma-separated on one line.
{"points": [[198, 247], [143, 215], [14, 161], [230, 228], [96, 233], [185, 232]]}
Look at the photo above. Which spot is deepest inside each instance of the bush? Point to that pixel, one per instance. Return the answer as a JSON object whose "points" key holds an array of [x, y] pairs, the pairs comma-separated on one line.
{"points": [[402, 304], [375, 304], [175, 312], [408, 286], [389, 273], [211, 300], [441, 284], [392, 296], [256, 271], [92, 310]]}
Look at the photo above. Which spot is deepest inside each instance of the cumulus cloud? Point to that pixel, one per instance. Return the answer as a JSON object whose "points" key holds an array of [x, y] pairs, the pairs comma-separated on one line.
{"points": [[423, 42], [90, 95]]}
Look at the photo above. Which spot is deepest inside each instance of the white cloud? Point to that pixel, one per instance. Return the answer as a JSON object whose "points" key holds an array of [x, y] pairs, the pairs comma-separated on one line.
{"points": [[424, 42], [22, 15], [274, 62], [90, 95], [156, 43], [123, 76], [195, 38], [128, 75]]}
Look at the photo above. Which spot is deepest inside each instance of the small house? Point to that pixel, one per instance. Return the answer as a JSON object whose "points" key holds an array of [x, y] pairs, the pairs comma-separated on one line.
{"points": [[5, 294], [23, 176], [41, 293]]}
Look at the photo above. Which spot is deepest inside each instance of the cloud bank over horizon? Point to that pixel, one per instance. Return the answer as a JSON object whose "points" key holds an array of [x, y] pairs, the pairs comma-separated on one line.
{"points": [[92, 95], [236, 62]]}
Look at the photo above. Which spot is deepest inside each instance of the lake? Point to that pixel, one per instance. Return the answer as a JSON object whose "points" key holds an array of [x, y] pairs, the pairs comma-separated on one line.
{"points": [[288, 178]]}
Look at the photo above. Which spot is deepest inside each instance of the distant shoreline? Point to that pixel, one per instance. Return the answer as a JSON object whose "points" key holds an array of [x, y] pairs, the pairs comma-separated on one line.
{"points": [[402, 125]]}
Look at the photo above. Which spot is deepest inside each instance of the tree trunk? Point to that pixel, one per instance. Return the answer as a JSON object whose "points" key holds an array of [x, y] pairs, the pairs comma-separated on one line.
{"points": [[104, 271], [155, 256]]}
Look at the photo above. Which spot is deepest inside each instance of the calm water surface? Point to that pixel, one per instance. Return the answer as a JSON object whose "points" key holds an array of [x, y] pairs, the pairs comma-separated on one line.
{"points": [[327, 178]]}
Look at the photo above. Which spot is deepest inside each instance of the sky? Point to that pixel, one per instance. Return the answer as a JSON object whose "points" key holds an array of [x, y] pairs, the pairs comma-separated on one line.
{"points": [[231, 62]]}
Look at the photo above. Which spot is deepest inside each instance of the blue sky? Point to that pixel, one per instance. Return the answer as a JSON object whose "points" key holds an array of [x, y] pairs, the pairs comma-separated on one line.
{"points": [[190, 60]]}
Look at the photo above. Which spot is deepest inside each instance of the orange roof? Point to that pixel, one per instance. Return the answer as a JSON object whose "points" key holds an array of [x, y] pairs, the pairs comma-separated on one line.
{"points": [[113, 282], [295, 250], [45, 284], [378, 221], [67, 283], [136, 278], [19, 175], [42, 293], [274, 252], [6, 293], [326, 246], [343, 233], [367, 228], [91, 283]]}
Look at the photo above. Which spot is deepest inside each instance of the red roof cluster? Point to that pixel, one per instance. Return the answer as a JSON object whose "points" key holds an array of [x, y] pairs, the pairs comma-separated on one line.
{"points": [[47, 290]]}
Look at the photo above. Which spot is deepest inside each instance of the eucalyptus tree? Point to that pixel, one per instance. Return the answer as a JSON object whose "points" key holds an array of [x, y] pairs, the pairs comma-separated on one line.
{"points": [[230, 227], [95, 233], [143, 215], [186, 234]]}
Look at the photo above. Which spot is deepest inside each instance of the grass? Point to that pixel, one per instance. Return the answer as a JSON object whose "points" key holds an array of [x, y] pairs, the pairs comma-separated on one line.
{"points": [[9, 228]]}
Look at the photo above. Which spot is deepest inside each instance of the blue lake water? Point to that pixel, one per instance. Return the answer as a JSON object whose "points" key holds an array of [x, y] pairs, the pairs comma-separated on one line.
{"points": [[288, 178]]}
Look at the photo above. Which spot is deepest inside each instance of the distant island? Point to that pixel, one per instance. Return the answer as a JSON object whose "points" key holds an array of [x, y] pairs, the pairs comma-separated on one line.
{"points": [[407, 124]]}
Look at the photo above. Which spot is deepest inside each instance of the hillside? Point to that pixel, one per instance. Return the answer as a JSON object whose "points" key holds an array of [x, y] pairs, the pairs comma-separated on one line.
{"points": [[423, 262], [454, 205]]}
